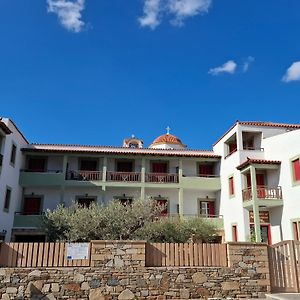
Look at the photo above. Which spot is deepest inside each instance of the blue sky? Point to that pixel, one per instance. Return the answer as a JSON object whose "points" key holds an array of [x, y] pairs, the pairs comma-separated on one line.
{"points": [[97, 71]]}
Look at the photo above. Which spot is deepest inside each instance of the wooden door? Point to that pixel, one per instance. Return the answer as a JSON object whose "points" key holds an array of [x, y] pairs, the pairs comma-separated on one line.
{"points": [[160, 167], [260, 182], [32, 206]]}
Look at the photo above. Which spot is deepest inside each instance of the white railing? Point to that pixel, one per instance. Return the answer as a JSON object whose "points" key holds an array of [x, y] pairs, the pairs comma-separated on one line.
{"points": [[123, 176], [264, 192], [84, 175], [161, 177]]}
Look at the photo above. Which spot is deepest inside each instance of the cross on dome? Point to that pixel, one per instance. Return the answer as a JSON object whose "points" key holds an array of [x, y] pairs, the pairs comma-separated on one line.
{"points": [[168, 129]]}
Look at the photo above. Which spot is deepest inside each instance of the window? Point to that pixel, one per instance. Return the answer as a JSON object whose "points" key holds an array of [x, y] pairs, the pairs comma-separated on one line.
{"points": [[126, 201], [206, 170], [296, 169], [86, 201], [163, 203], [13, 154], [207, 208], [234, 233], [7, 199], [88, 165], [32, 205], [231, 186], [37, 164], [296, 230]]}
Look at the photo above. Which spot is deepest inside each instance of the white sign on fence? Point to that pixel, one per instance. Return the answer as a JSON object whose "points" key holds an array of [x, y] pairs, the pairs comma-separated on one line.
{"points": [[77, 250]]}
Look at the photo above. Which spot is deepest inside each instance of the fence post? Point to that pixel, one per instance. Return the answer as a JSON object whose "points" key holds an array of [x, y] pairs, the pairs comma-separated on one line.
{"points": [[294, 265]]}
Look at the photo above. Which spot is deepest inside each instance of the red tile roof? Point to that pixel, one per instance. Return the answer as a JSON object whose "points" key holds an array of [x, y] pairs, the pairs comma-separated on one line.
{"points": [[55, 148], [270, 124], [260, 124], [167, 139], [250, 161]]}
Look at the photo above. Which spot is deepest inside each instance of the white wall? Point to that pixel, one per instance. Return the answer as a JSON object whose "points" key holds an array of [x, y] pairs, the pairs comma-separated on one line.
{"points": [[10, 177]]}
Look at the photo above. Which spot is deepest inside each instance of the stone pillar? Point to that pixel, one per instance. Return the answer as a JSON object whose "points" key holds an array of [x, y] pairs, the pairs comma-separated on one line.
{"points": [[118, 254], [250, 260]]}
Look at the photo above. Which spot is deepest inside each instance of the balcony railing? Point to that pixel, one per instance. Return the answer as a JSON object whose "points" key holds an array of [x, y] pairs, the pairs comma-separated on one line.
{"points": [[84, 175], [123, 176], [201, 175], [41, 171], [161, 178], [263, 193]]}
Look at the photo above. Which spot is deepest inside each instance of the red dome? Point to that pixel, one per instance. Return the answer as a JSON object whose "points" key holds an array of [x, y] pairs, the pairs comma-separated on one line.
{"points": [[167, 139]]}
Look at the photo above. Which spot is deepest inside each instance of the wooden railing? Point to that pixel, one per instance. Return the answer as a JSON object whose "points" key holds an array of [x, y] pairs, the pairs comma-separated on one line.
{"points": [[84, 175], [186, 255], [263, 193], [38, 255], [123, 176], [161, 177]]}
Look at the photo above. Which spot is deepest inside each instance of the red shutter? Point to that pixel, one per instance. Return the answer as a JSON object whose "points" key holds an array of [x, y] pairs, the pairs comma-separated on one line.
{"points": [[211, 209], [249, 180], [260, 181], [32, 206], [232, 147], [234, 233], [159, 168], [296, 167]]}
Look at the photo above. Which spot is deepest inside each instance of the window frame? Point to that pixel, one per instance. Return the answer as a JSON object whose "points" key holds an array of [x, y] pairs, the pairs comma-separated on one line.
{"points": [[231, 192], [13, 162], [6, 209], [296, 236], [292, 161]]}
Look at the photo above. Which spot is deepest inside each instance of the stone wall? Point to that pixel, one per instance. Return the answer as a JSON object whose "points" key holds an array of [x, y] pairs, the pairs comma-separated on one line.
{"points": [[118, 272]]}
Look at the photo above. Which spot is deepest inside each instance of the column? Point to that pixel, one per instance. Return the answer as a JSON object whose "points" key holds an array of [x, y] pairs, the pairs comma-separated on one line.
{"points": [[104, 171], [180, 202], [143, 170], [255, 204], [180, 171]]}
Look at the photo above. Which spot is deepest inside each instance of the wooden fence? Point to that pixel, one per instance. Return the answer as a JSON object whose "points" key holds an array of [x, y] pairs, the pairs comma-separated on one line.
{"points": [[186, 255], [37, 255], [284, 261]]}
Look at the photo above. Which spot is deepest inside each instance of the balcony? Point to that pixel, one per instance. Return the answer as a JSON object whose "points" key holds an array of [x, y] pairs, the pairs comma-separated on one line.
{"points": [[84, 175], [207, 182], [268, 197], [161, 178], [30, 178], [27, 221], [123, 176]]}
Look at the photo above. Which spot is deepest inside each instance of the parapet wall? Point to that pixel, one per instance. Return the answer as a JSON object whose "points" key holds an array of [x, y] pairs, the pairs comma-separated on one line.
{"points": [[118, 272]]}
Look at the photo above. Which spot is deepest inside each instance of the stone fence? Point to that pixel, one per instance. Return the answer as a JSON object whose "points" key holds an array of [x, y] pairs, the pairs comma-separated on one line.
{"points": [[118, 271]]}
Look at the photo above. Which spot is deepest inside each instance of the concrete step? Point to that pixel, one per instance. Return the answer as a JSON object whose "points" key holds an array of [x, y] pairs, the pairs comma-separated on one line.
{"points": [[283, 296]]}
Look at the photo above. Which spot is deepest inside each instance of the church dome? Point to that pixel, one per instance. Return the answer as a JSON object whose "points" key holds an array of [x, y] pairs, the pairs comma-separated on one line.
{"points": [[167, 141]]}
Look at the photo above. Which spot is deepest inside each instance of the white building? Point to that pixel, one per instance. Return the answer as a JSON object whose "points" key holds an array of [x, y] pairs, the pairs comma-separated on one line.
{"points": [[248, 185]]}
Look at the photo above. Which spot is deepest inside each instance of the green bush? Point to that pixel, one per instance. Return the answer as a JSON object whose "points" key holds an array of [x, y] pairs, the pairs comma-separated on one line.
{"points": [[118, 222], [177, 231]]}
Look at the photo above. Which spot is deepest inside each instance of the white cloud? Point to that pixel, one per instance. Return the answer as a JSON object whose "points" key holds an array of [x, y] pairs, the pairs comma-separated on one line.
{"points": [[183, 9], [178, 10], [68, 12], [228, 67], [292, 73], [151, 17], [247, 63]]}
